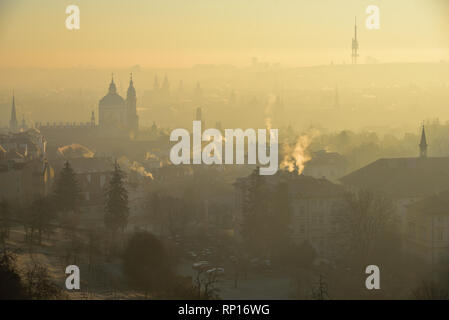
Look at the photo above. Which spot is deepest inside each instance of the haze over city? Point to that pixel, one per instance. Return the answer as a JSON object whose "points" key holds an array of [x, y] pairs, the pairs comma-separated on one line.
{"points": [[94, 183]]}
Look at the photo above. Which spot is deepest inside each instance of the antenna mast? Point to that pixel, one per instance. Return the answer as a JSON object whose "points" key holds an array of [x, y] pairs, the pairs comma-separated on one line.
{"points": [[355, 45]]}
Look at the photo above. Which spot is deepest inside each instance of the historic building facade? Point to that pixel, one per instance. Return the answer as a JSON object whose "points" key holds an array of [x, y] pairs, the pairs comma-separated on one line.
{"points": [[117, 118], [117, 114]]}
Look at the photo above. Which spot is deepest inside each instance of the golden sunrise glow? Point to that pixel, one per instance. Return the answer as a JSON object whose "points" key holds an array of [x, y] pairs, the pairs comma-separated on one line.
{"points": [[177, 33]]}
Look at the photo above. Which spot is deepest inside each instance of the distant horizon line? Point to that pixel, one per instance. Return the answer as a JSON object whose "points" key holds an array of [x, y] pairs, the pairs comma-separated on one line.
{"points": [[211, 65]]}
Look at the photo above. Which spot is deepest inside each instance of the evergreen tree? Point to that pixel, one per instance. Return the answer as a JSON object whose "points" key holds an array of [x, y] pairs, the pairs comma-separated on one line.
{"points": [[116, 207], [67, 192]]}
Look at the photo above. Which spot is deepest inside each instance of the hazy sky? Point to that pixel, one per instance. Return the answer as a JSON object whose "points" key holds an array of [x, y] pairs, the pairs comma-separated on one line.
{"points": [[181, 33]]}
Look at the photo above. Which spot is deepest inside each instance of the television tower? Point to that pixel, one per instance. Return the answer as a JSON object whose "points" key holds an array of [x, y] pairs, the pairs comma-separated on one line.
{"points": [[355, 45]]}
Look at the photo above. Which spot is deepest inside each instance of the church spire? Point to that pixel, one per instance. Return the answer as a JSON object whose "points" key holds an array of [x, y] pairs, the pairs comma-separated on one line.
{"points": [[131, 94], [165, 85], [112, 87], [132, 118], [92, 119], [423, 144], [13, 121]]}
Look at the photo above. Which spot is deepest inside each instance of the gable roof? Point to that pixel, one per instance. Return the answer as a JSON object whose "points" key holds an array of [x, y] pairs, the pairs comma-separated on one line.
{"points": [[403, 177], [300, 186], [323, 157]]}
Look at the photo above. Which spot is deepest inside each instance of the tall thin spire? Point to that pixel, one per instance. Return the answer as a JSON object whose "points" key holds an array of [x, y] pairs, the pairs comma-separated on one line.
{"points": [[92, 119], [132, 119], [165, 85], [355, 44], [199, 116], [131, 94], [13, 121], [112, 87], [423, 144]]}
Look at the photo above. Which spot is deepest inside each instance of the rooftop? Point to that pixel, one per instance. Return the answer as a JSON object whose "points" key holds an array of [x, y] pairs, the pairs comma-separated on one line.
{"points": [[300, 186], [403, 177]]}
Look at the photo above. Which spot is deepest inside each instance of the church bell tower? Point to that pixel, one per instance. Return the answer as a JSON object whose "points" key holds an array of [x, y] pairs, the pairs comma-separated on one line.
{"points": [[131, 109], [13, 124], [423, 144]]}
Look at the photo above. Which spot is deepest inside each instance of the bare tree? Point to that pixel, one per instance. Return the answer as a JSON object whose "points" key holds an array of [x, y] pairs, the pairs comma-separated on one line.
{"points": [[364, 221], [38, 284], [206, 281], [40, 217]]}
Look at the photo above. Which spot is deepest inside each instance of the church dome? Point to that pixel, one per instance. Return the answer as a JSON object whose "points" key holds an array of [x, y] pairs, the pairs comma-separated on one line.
{"points": [[112, 98]]}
